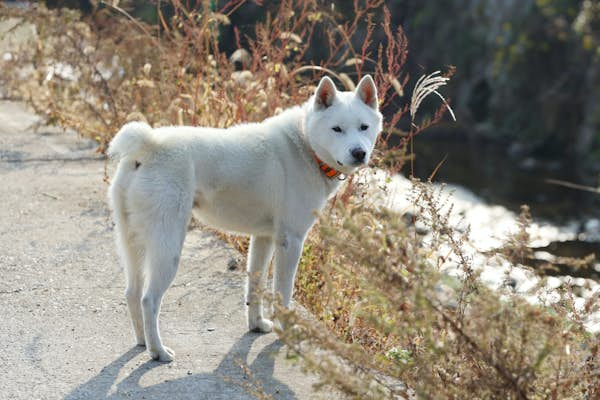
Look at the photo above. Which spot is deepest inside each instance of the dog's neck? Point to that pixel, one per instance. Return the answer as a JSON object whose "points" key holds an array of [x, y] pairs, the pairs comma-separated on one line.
{"points": [[330, 176], [327, 170]]}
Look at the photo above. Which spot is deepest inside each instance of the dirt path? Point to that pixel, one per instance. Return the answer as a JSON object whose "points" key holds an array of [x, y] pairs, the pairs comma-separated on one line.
{"points": [[65, 332]]}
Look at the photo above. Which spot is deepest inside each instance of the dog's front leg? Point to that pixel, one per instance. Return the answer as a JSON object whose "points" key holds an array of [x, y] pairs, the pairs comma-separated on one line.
{"points": [[287, 255], [261, 253]]}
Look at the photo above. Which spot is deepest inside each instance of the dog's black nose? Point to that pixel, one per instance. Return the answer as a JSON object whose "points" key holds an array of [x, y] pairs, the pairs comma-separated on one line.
{"points": [[358, 154]]}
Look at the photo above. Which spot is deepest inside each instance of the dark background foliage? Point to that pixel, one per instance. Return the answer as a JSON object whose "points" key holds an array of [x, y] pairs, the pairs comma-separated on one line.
{"points": [[527, 71], [526, 89]]}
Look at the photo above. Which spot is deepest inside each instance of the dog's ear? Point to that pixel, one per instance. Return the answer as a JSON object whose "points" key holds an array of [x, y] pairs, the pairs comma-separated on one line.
{"points": [[325, 93], [367, 91]]}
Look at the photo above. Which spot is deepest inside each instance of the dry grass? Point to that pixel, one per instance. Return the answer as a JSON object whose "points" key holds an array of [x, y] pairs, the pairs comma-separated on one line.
{"points": [[365, 274], [371, 280]]}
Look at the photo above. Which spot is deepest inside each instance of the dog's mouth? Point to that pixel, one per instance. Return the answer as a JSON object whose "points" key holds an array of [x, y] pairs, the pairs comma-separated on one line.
{"points": [[355, 164], [351, 167]]}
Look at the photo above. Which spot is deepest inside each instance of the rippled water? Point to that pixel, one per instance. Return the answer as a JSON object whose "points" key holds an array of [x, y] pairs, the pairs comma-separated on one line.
{"points": [[489, 226], [499, 175], [494, 181]]}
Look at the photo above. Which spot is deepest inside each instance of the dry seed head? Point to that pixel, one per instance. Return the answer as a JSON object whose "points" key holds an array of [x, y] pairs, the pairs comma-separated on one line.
{"points": [[426, 85], [221, 18], [396, 85], [353, 61], [347, 81], [290, 36]]}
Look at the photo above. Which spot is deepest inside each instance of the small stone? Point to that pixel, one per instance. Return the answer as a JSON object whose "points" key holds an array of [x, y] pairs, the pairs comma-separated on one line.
{"points": [[510, 282], [211, 328], [232, 264]]}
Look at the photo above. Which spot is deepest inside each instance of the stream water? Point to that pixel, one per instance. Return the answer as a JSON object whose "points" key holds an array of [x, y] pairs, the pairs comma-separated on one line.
{"points": [[485, 186], [493, 173], [498, 178]]}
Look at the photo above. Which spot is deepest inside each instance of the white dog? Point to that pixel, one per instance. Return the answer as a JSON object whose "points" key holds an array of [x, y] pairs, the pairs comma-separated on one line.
{"points": [[265, 179]]}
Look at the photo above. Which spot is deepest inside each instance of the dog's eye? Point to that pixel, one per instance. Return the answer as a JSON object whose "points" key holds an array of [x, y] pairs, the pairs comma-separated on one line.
{"points": [[337, 129], [364, 127]]}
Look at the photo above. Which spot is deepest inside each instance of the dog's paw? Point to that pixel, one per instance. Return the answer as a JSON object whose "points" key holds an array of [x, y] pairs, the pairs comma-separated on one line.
{"points": [[261, 325], [164, 354]]}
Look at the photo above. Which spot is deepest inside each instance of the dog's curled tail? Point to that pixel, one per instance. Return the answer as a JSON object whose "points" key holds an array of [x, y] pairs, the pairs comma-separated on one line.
{"points": [[135, 140]]}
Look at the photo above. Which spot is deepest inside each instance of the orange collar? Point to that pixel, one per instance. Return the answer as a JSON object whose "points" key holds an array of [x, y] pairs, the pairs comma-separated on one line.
{"points": [[326, 169]]}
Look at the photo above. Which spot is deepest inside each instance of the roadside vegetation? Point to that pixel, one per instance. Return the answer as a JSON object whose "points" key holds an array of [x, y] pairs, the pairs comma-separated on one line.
{"points": [[387, 320]]}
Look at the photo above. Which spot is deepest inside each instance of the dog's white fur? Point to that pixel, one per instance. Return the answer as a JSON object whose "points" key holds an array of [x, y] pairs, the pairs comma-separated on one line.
{"points": [[259, 179]]}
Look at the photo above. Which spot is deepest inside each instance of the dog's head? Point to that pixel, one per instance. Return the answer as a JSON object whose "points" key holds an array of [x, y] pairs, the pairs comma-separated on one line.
{"points": [[342, 127]]}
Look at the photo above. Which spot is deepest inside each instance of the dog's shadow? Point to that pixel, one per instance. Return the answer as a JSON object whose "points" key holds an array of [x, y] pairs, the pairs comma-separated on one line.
{"points": [[228, 381]]}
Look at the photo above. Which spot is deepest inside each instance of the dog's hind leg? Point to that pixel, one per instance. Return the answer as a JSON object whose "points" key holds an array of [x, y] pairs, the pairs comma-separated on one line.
{"points": [[130, 253], [259, 256], [164, 241], [133, 291]]}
